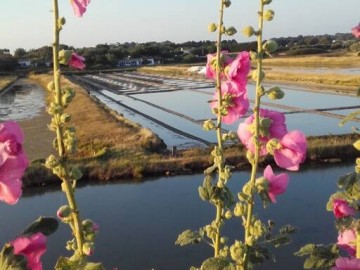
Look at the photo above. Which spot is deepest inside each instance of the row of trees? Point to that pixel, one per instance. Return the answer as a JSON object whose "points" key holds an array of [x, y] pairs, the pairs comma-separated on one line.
{"points": [[108, 55]]}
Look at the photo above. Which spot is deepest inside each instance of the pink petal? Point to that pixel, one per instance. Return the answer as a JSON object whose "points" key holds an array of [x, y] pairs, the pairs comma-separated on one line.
{"points": [[9, 129], [347, 264], [356, 31], [32, 248], [277, 183], [79, 6]]}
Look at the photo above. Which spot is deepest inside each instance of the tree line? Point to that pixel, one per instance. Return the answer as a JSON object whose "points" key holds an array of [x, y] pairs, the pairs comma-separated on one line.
{"points": [[108, 55]]}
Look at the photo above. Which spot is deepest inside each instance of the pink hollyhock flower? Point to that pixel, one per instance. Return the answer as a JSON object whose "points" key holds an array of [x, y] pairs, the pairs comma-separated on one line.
{"points": [[347, 264], [277, 183], [291, 151], [79, 6], [76, 61], [234, 69], [239, 68], [32, 248], [273, 126], [237, 103], [13, 162], [210, 69], [347, 241], [356, 31], [342, 209]]}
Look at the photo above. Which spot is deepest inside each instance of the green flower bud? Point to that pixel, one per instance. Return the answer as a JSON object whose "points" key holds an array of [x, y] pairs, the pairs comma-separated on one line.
{"points": [[239, 209], [67, 96], [261, 184], [237, 251], [223, 240], [227, 3], [75, 174], [248, 31], [212, 27], [254, 75], [357, 167], [88, 248], [64, 213], [275, 93], [272, 145], [64, 56], [62, 21], [267, 2], [71, 245], [209, 125], [50, 86], [231, 31], [269, 15], [224, 252], [51, 162], [250, 156], [54, 108], [247, 189], [254, 56], [228, 214], [233, 135], [65, 118], [270, 46], [357, 145]]}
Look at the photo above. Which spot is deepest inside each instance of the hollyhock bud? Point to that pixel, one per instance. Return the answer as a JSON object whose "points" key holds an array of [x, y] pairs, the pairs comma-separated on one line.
{"points": [[239, 210], [90, 226], [212, 27], [88, 248], [13, 162], [248, 31], [209, 125], [32, 248], [292, 151], [237, 251], [347, 241], [267, 2], [230, 31], [64, 212], [270, 46], [357, 145], [341, 208], [277, 183], [79, 6], [356, 31], [227, 3], [269, 15], [275, 93], [346, 264]]}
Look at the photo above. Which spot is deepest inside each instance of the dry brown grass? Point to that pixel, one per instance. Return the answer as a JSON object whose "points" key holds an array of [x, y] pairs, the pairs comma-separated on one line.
{"points": [[5, 81], [315, 61]]}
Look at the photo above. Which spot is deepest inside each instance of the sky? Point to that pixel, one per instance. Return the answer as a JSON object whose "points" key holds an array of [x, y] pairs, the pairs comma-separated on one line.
{"points": [[28, 23]]}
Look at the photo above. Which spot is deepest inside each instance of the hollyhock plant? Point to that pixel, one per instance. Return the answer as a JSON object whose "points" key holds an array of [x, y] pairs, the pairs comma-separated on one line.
{"points": [[277, 183], [356, 31], [347, 264], [79, 6], [235, 102], [13, 162], [210, 70], [272, 126], [290, 151], [32, 248], [341, 208], [347, 241]]}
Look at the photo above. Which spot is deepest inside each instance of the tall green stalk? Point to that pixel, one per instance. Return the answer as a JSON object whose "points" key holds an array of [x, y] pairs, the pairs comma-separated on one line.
{"points": [[67, 187], [220, 165], [255, 160]]}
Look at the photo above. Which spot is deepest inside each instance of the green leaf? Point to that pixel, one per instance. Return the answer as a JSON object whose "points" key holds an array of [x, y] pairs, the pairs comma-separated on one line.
{"points": [[305, 250], [280, 240], [9, 261], [320, 257], [189, 237], [217, 264], [288, 229], [65, 263], [45, 225], [206, 190]]}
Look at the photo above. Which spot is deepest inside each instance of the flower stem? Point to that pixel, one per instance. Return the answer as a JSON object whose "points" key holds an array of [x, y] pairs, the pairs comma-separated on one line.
{"points": [[66, 185], [220, 184], [255, 161]]}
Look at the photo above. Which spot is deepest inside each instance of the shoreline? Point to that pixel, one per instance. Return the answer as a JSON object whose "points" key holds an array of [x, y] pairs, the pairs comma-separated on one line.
{"points": [[119, 150]]}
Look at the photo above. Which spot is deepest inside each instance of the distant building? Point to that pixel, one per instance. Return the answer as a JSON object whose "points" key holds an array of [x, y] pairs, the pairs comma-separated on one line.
{"points": [[130, 62], [154, 61], [24, 63]]}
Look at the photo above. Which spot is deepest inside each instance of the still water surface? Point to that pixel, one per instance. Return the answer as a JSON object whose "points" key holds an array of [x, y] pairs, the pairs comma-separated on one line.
{"points": [[140, 221]]}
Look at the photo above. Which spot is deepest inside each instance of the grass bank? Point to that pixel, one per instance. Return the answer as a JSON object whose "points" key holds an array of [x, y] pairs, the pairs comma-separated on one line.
{"points": [[5, 81], [111, 147]]}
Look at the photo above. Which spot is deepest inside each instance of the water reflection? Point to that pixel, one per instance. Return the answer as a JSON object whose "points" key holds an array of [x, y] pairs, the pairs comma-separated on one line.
{"points": [[140, 222], [22, 101]]}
